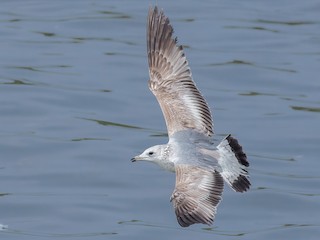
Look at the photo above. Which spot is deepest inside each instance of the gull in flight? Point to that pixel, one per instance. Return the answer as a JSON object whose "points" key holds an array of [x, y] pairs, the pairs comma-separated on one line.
{"points": [[200, 167]]}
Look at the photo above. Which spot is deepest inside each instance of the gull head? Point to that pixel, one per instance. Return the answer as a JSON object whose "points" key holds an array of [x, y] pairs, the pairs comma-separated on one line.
{"points": [[158, 154], [152, 154]]}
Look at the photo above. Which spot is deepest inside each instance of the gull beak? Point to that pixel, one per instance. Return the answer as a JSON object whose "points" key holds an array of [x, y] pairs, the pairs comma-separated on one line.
{"points": [[136, 158]]}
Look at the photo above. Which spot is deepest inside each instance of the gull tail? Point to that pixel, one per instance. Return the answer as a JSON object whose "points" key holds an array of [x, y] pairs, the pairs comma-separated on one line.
{"points": [[233, 162]]}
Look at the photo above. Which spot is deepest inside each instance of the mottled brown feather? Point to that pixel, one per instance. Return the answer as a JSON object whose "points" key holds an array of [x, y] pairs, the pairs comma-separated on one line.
{"points": [[171, 81], [196, 195]]}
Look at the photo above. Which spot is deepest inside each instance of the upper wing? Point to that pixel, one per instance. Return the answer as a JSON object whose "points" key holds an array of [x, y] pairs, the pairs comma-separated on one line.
{"points": [[171, 82], [196, 195]]}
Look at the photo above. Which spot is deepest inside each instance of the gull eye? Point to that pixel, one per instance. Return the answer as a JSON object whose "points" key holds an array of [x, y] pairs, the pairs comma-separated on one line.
{"points": [[150, 153]]}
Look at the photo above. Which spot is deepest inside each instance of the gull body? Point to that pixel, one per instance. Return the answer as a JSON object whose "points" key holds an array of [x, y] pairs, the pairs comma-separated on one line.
{"points": [[200, 167]]}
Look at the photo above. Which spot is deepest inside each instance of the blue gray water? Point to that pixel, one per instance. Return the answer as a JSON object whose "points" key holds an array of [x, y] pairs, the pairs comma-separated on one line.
{"points": [[75, 107]]}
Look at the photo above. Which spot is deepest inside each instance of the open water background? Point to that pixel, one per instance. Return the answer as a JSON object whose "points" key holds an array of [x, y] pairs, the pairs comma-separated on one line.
{"points": [[75, 107]]}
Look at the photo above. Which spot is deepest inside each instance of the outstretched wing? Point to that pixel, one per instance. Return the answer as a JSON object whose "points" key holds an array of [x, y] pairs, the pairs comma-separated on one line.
{"points": [[196, 195], [171, 82]]}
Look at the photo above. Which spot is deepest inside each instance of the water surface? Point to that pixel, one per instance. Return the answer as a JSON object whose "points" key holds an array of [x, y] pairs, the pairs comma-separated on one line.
{"points": [[75, 107]]}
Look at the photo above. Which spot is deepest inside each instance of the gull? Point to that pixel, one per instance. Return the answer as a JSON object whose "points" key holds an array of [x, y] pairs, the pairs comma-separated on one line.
{"points": [[200, 167]]}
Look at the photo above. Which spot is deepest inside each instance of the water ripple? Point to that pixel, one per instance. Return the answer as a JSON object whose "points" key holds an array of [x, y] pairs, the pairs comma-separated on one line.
{"points": [[243, 62], [306, 109], [114, 124]]}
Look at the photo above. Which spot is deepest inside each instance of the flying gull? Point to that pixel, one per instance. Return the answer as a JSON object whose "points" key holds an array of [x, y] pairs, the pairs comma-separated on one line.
{"points": [[200, 167]]}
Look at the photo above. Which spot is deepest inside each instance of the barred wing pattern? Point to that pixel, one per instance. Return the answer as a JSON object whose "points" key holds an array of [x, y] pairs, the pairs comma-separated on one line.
{"points": [[171, 82], [196, 195]]}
